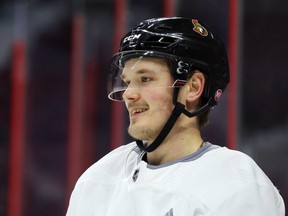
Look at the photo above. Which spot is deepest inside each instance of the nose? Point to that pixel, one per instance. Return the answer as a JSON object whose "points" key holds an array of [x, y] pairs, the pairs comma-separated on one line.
{"points": [[131, 94]]}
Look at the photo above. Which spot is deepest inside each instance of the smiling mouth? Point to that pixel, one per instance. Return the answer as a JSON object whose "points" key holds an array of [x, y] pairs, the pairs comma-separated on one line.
{"points": [[137, 111]]}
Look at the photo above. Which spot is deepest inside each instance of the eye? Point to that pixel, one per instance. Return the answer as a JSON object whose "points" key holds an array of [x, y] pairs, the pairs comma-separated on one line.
{"points": [[146, 79]]}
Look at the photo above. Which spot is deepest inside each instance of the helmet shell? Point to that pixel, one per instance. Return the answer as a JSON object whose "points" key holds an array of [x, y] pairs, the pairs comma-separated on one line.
{"points": [[188, 43]]}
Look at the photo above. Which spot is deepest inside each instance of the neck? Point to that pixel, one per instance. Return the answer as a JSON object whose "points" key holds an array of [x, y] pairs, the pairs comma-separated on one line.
{"points": [[176, 145]]}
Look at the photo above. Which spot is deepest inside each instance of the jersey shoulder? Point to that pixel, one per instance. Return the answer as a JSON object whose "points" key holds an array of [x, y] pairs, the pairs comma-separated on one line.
{"points": [[113, 165], [239, 165], [219, 175], [241, 182]]}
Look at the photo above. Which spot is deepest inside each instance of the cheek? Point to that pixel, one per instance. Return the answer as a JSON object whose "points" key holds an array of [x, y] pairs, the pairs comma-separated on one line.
{"points": [[163, 102]]}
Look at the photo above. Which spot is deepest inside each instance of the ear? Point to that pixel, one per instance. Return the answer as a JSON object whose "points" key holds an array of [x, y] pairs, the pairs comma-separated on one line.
{"points": [[195, 86]]}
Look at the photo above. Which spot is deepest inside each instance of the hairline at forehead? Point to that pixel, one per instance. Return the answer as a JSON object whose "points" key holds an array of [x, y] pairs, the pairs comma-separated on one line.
{"points": [[142, 70], [142, 58]]}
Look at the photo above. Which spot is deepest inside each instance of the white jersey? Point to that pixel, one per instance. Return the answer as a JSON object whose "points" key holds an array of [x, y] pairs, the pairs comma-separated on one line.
{"points": [[214, 181]]}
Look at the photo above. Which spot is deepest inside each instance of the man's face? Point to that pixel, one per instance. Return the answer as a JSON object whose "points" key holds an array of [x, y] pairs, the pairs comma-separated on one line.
{"points": [[148, 97]]}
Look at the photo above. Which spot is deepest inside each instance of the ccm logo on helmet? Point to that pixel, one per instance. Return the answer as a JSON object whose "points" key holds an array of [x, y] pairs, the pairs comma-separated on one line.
{"points": [[131, 37]]}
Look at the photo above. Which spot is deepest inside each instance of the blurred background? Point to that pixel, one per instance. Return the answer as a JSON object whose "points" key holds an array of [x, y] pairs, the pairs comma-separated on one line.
{"points": [[56, 120]]}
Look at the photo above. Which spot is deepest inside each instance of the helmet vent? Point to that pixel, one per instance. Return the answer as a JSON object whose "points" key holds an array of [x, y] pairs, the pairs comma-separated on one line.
{"points": [[164, 27], [159, 41]]}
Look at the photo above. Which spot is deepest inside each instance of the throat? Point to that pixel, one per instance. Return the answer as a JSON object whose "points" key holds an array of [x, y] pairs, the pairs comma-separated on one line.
{"points": [[166, 154]]}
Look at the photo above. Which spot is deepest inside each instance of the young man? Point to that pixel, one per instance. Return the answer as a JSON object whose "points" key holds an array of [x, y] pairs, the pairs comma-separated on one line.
{"points": [[170, 72]]}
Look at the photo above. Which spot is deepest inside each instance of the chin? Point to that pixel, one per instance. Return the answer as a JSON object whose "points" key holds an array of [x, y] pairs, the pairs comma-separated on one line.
{"points": [[141, 132]]}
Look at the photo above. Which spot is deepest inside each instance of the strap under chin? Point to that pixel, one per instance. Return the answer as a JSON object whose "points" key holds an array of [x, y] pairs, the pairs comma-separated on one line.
{"points": [[178, 109]]}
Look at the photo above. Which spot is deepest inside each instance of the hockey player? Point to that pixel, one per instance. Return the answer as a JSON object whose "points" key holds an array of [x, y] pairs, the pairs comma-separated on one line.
{"points": [[170, 72]]}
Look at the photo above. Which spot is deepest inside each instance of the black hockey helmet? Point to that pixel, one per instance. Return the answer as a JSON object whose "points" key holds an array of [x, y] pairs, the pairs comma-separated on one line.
{"points": [[185, 42]]}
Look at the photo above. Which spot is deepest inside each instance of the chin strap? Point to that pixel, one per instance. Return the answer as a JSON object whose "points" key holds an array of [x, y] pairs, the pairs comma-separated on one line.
{"points": [[178, 109]]}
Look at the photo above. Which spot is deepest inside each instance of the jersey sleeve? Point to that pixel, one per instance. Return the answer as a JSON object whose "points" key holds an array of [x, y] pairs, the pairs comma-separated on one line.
{"points": [[252, 200], [74, 200]]}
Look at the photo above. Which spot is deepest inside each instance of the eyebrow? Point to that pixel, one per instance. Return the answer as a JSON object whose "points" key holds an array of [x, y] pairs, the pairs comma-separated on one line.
{"points": [[141, 71]]}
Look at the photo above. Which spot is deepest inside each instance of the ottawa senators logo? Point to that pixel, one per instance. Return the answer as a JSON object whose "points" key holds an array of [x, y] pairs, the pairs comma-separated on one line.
{"points": [[199, 28]]}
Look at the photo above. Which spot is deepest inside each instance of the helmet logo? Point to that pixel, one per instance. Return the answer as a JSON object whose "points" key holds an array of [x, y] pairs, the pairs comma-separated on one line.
{"points": [[199, 28], [131, 37], [182, 67], [217, 95]]}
